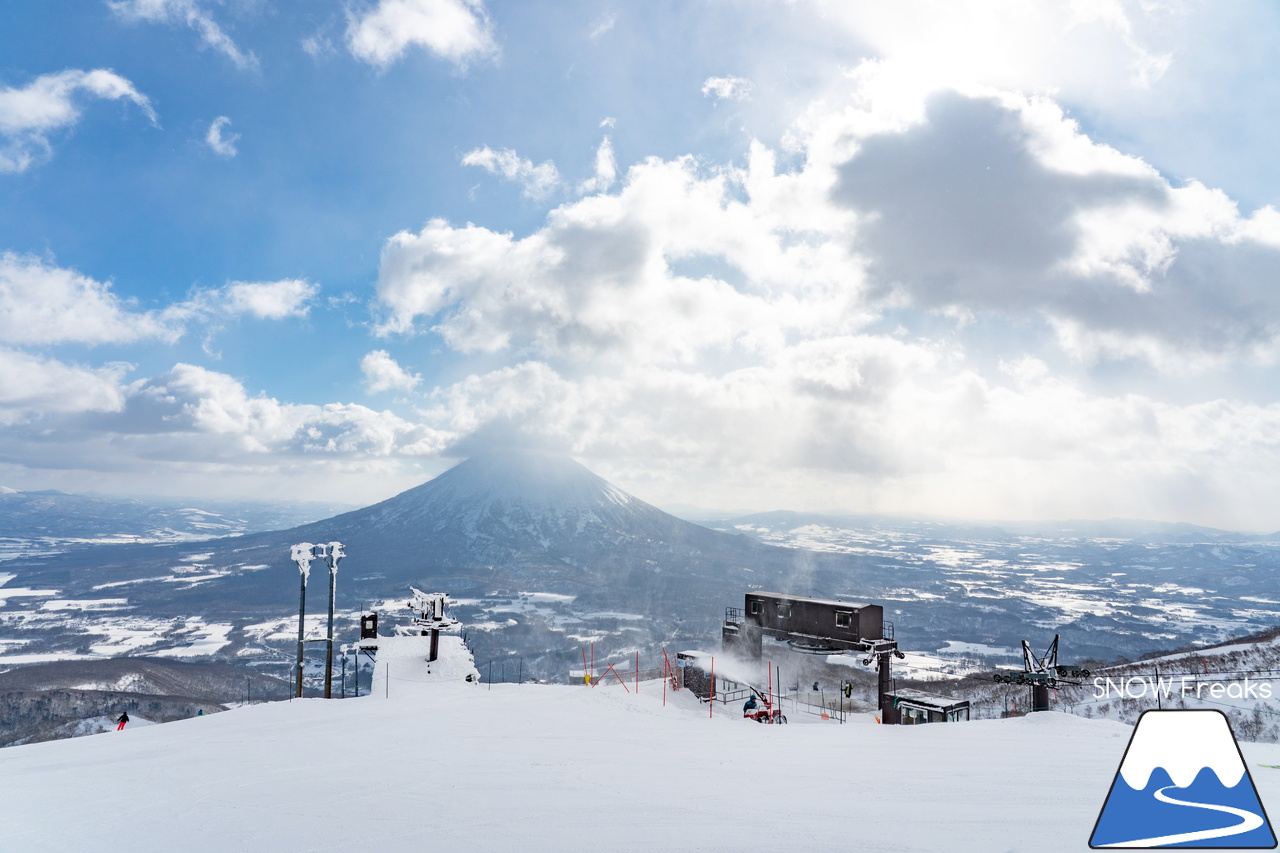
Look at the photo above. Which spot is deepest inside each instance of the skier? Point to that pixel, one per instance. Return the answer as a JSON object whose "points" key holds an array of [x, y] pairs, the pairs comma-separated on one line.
{"points": [[124, 718]]}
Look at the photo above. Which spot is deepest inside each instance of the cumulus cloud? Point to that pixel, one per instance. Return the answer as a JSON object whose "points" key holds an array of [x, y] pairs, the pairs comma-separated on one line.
{"points": [[382, 373], [672, 265], [191, 412], [44, 304], [802, 325], [269, 300], [727, 88], [49, 103], [216, 411], [606, 171], [998, 203], [191, 13], [35, 388], [536, 181], [198, 426], [1081, 49], [455, 30], [224, 146]]}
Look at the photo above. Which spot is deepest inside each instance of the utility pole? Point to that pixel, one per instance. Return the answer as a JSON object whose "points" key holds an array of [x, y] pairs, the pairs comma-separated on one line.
{"points": [[302, 555], [335, 553]]}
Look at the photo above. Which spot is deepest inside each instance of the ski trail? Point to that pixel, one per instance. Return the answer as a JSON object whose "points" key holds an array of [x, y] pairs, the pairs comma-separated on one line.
{"points": [[1248, 821]]}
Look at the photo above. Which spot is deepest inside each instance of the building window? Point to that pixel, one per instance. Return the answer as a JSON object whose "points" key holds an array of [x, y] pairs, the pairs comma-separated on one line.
{"points": [[843, 619], [784, 611], [756, 607]]}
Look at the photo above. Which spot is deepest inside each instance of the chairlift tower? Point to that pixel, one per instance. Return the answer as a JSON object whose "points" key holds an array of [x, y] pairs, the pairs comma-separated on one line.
{"points": [[334, 554], [303, 554], [1042, 674], [429, 615]]}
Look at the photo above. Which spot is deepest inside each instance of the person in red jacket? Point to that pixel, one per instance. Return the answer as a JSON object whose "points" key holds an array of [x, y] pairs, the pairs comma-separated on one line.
{"points": [[124, 718]]}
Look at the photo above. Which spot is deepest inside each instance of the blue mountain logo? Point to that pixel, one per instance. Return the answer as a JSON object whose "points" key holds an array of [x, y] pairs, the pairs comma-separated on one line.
{"points": [[1183, 783]]}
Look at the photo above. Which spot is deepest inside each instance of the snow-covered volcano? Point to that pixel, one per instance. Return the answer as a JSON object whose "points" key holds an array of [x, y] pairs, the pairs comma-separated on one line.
{"points": [[501, 521], [515, 501], [490, 531], [531, 519]]}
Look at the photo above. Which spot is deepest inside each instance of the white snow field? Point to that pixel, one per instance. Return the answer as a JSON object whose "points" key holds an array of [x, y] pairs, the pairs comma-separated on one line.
{"points": [[441, 764]]}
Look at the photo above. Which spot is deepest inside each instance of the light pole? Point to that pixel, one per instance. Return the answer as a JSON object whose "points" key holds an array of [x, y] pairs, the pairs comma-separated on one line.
{"points": [[335, 554], [302, 555]]}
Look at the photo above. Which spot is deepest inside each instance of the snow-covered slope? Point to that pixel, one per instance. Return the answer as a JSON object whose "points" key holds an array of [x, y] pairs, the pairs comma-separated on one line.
{"points": [[533, 768]]}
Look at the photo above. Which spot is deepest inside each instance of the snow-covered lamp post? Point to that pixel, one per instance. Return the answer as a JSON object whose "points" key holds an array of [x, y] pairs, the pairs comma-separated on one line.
{"points": [[335, 554], [302, 554]]}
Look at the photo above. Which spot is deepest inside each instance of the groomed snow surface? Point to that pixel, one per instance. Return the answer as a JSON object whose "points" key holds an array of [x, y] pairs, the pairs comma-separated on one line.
{"points": [[445, 765]]}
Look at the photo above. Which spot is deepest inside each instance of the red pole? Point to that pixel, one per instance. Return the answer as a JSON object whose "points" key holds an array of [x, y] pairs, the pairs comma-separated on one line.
{"points": [[593, 661], [711, 705], [666, 669], [586, 678], [771, 689], [638, 672]]}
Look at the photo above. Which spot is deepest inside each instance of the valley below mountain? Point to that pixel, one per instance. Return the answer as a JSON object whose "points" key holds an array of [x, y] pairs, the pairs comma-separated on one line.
{"points": [[543, 559]]}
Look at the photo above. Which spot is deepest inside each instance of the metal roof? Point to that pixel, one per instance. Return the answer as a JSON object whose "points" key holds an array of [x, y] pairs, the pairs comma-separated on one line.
{"points": [[783, 597], [933, 700]]}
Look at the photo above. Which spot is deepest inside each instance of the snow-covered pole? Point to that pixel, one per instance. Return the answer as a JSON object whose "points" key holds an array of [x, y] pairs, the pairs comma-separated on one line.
{"points": [[335, 553], [302, 554]]}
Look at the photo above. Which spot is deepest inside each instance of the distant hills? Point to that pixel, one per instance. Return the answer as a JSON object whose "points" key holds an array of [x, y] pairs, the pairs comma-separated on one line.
{"points": [[57, 515], [1120, 529], [493, 527], [545, 558]]}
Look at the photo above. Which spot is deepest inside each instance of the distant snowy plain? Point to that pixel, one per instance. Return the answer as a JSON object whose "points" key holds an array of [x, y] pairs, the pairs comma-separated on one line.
{"points": [[463, 767]]}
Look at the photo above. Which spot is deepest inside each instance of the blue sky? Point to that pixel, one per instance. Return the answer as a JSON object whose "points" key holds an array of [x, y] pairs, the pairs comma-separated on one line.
{"points": [[999, 260]]}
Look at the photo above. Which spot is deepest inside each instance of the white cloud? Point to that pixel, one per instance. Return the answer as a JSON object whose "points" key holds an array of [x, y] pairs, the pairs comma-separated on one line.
{"points": [[47, 104], [645, 273], [45, 304], [751, 324], [222, 145], [997, 203], [1081, 48], [213, 417], [193, 15], [728, 88], [606, 170], [317, 46], [602, 26], [456, 30], [270, 300], [193, 413], [382, 373], [33, 387], [536, 181], [199, 427]]}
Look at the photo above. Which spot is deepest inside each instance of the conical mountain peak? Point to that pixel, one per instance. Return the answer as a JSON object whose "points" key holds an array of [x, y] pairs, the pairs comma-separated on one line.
{"points": [[533, 477]]}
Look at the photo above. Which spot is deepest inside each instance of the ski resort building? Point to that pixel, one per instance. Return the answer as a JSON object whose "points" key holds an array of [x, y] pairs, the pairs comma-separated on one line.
{"points": [[816, 626], [916, 706], [808, 624]]}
